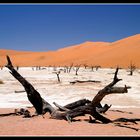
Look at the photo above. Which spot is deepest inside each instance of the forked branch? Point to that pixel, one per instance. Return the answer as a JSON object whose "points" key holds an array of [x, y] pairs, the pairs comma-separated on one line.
{"points": [[109, 89]]}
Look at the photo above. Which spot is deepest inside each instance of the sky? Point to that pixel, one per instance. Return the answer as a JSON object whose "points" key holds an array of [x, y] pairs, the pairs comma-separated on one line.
{"points": [[46, 27]]}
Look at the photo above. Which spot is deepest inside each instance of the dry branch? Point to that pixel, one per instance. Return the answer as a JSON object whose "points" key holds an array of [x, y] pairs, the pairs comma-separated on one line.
{"points": [[103, 109], [109, 89], [20, 91], [136, 129], [133, 120], [86, 81], [22, 111]]}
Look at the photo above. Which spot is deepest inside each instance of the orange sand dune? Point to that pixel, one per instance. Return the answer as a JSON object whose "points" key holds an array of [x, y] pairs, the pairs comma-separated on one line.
{"points": [[119, 53]]}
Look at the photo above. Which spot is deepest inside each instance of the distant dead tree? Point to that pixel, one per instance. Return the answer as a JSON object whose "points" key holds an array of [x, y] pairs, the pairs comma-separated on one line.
{"points": [[57, 73], [70, 67], [65, 69], [97, 67], [17, 67], [38, 67], [92, 67], [132, 68], [77, 69], [85, 66]]}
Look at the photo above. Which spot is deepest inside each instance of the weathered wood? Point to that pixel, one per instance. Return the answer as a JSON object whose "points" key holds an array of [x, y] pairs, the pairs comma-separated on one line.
{"points": [[85, 81], [20, 91], [22, 111], [33, 95], [91, 107], [99, 117], [116, 110], [109, 89], [77, 103], [80, 108], [136, 129], [47, 107], [133, 120], [60, 115], [87, 109], [7, 114], [61, 108], [103, 109], [79, 111]]}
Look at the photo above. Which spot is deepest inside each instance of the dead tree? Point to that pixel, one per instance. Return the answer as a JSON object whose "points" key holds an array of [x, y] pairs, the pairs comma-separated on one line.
{"points": [[57, 73], [66, 69], [85, 65], [77, 69], [132, 68], [72, 110], [97, 67], [92, 67], [70, 68], [91, 108], [34, 97]]}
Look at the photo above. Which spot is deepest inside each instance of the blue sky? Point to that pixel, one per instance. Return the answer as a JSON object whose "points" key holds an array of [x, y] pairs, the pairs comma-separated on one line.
{"points": [[44, 27]]}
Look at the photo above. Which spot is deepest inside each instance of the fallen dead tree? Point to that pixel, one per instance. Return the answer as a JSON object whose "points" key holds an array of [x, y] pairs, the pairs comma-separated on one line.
{"points": [[84, 81], [77, 108], [20, 91], [22, 111]]}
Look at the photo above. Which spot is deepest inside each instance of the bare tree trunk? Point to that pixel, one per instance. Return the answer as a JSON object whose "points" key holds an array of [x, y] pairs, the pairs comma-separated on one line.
{"points": [[58, 78], [34, 97], [132, 68], [92, 67], [70, 67], [77, 69]]}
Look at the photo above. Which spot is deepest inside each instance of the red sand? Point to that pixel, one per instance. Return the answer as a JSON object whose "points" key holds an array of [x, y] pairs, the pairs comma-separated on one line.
{"points": [[39, 126], [119, 53]]}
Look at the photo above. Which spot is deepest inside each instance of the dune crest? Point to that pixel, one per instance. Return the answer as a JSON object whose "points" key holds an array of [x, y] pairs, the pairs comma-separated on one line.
{"points": [[106, 54]]}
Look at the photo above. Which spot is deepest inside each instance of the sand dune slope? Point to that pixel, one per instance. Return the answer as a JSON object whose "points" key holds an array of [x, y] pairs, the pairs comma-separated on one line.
{"points": [[119, 53]]}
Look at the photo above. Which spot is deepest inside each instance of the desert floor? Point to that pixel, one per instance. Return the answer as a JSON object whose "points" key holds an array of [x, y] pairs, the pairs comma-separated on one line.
{"points": [[39, 126], [45, 81]]}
